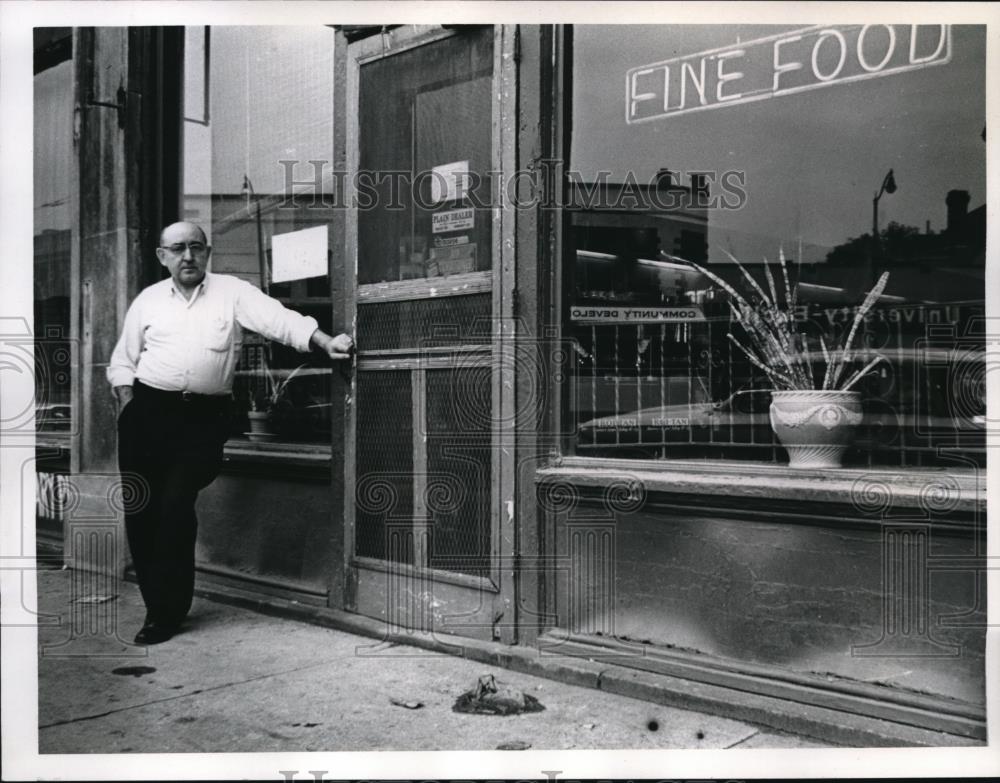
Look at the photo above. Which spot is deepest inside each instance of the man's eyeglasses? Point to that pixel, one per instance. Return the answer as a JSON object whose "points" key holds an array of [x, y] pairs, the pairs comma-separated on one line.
{"points": [[178, 248]]}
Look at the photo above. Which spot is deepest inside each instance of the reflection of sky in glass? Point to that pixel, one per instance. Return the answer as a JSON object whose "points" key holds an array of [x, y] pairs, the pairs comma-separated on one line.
{"points": [[814, 160], [271, 99], [53, 107]]}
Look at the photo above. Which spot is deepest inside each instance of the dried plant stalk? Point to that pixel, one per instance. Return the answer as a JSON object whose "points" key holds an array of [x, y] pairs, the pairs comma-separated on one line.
{"points": [[776, 346], [866, 305], [829, 365], [862, 372]]}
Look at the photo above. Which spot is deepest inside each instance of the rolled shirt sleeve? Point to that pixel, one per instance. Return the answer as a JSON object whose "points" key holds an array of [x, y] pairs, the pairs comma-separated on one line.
{"points": [[259, 313], [125, 356]]}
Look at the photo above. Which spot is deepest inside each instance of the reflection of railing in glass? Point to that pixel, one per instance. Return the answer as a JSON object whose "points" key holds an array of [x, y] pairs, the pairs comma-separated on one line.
{"points": [[662, 391]]}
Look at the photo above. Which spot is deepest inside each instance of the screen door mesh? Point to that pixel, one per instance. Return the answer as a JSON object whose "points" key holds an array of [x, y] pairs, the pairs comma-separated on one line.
{"points": [[419, 323], [384, 484], [459, 403]]}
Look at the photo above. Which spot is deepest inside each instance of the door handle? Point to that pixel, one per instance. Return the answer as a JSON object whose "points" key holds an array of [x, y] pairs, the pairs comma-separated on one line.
{"points": [[344, 362]]}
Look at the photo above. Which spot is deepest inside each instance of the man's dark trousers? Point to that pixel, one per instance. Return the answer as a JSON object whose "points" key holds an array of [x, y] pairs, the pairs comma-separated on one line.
{"points": [[171, 444]]}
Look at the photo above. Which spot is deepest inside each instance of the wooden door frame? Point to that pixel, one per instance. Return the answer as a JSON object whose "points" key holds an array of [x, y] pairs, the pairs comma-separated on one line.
{"points": [[505, 334], [501, 280]]}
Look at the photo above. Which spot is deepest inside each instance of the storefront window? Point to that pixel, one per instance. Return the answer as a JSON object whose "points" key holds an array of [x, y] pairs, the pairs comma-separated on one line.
{"points": [[852, 150], [53, 142], [258, 176]]}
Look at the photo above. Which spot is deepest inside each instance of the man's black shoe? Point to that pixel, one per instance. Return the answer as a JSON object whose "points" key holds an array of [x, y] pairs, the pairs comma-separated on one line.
{"points": [[155, 633]]}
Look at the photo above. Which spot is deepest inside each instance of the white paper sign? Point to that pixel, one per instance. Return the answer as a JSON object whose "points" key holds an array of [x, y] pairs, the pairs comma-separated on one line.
{"points": [[449, 181], [299, 254]]}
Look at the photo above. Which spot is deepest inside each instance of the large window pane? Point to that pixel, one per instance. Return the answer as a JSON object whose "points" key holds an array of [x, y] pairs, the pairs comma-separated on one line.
{"points": [[53, 145], [793, 154], [258, 152]]}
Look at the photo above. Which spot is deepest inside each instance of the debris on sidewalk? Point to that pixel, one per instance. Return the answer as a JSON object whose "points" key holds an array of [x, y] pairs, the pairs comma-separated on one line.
{"points": [[410, 705], [133, 671], [514, 745], [491, 697], [94, 599]]}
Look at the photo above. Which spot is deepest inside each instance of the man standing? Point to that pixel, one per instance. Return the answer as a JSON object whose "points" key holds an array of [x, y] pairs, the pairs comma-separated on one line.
{"points": [[172, 372]]}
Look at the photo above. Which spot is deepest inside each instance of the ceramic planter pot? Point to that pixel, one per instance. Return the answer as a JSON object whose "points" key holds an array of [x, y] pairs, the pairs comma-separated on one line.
{"points": [[260, 429], [815, 427]]}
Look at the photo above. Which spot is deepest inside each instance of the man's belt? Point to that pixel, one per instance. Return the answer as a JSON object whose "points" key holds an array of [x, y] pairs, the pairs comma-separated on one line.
{"points": [[180, 396]]}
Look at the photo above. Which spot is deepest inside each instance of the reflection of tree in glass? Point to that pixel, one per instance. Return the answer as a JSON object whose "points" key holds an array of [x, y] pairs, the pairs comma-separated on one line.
{"points": [[906, 243], [895, 240]]}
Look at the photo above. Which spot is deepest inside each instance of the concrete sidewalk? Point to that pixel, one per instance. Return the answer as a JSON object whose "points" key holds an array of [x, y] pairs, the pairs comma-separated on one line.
{"points": [[239, 681]]}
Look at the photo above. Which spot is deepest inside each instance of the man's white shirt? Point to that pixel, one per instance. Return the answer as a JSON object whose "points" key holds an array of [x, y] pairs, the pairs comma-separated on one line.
{"points": [[179, 344]]}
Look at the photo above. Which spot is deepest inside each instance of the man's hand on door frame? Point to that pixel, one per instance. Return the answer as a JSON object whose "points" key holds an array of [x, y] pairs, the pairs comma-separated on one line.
{"points": [[338, 348]]}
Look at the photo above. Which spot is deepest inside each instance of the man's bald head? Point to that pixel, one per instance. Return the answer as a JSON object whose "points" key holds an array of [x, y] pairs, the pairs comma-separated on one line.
{"points": [[184, 251], [184, 227]]}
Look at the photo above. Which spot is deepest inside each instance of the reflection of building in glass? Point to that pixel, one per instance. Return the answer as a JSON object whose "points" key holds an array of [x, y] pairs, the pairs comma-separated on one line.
{"points": [[620, 231]]}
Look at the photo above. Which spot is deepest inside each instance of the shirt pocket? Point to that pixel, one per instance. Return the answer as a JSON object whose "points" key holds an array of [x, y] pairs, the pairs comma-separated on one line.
{"points": [[219, 334]]}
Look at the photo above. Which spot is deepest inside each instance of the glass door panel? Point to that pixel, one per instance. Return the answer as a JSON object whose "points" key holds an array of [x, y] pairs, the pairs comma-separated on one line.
{"points": [[425, 160]]}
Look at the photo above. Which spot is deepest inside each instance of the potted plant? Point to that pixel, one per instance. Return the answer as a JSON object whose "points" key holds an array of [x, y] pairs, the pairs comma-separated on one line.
{"points": [[814, 409], [262, 406]]}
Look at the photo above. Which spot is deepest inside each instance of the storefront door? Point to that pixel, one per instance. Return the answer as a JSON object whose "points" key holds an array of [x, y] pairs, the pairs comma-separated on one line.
{"points": [[425, 139]]}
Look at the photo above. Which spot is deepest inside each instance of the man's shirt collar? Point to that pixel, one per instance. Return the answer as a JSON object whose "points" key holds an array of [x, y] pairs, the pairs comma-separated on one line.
{"points": [[199, 291]]}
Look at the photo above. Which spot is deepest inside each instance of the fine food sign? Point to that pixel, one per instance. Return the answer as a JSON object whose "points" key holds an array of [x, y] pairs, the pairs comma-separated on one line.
{"points": [[783, 64]]}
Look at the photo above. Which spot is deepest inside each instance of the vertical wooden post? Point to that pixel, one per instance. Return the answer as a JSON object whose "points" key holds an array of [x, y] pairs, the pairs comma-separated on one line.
{"points": [[128, 117], [538, 147], [342, 303], [507, 333]]}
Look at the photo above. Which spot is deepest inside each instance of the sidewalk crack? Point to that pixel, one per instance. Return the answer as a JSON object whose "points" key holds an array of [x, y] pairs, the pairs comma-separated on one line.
{"points": [[741, 741], [166, 699]]}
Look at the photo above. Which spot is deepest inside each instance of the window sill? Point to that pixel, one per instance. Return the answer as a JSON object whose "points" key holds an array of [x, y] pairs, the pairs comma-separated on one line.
{"points": [[53, 440], [941, 489], [52, 450], [302, 455]]}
